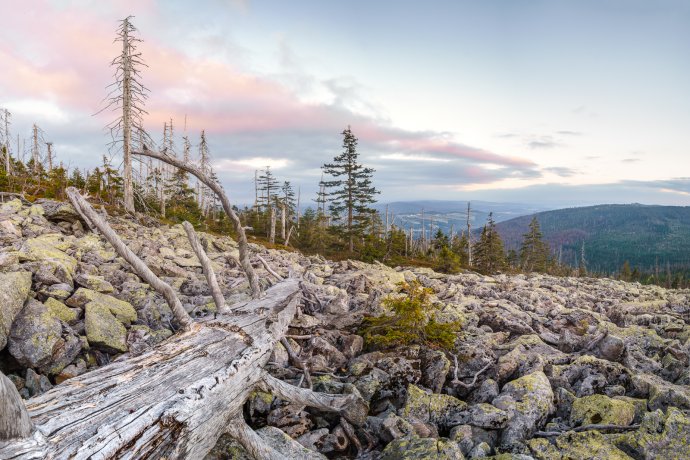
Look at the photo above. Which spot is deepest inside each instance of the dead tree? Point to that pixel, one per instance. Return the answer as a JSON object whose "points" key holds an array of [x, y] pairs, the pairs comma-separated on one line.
{"points": [[469, 236], [173, 401], [225, 202], [128, 94]]}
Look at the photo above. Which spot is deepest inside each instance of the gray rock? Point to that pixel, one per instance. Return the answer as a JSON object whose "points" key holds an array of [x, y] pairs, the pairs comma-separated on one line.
{"points": [[485, 415], [435, 367], [36, 384], [528, 402], [486, 392], [14, 290], [415, 448], [34, 334], [59, 211]]}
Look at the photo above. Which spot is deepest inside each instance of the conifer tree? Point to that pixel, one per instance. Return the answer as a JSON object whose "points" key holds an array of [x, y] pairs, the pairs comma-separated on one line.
{"points": [[489, 255], [353, 191], [534, 252]]}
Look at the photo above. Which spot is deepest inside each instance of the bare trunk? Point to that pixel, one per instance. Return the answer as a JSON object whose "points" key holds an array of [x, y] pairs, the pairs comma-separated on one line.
{"points": [[127, 118], [218, 190], [469, 236], [283, 222], [272, 234]]}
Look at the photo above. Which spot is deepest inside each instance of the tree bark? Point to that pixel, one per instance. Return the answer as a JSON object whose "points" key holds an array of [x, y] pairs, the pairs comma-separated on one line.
{"points": [[173, 401], [218, 190]]}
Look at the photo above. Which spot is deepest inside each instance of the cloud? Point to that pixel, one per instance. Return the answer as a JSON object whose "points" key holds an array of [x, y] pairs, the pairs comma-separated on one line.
{"points": [[566, 132], [630, 160], [544, 142], [561, 171]]}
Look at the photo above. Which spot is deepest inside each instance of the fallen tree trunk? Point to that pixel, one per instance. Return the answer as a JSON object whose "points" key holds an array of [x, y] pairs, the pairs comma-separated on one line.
{"points": [[174, 401]]}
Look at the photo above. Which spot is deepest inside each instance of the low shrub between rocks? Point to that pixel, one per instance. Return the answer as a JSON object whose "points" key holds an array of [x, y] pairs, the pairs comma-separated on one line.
{"points": [[410, 319]]}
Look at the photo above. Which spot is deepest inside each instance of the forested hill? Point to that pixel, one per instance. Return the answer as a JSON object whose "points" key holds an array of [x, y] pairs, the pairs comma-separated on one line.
{"points": [[643, 235]]}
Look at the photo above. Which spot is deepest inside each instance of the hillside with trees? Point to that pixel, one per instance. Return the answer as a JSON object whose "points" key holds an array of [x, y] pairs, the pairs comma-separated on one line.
{"points": [[652, 239]]}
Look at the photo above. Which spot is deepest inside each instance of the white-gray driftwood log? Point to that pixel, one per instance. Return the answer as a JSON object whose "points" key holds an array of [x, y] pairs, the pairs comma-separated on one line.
{"points": [[174, 401]]}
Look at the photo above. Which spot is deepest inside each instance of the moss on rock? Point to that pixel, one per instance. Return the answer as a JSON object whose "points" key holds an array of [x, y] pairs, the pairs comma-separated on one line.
{"points": [[62, 311], [414, 448], [597, 408], [14, 290]]}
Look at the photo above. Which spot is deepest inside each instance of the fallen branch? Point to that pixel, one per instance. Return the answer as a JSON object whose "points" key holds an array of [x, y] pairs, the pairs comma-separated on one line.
{"points": [[225, 202], [140, 268], [457, 381], [206, 266], [268, 268], [546, 434], [296, 361], [351, 407]]}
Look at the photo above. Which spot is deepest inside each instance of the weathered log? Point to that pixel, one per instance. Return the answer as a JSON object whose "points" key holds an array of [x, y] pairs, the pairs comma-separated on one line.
{"points": [[206, 266], [14, 419], [174, 401], [93, 218], [225, 202]]}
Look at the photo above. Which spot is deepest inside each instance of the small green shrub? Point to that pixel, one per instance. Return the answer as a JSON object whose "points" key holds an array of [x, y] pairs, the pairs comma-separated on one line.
{"points": [[411, 319]]}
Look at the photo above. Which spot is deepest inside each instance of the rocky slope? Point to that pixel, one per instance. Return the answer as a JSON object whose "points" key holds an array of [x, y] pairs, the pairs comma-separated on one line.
{"points": [[545, 367]]}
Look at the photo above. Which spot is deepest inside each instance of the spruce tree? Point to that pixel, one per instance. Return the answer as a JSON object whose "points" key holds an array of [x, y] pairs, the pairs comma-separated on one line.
{"points": [[353, 191], [534, 253], [488, 252]]}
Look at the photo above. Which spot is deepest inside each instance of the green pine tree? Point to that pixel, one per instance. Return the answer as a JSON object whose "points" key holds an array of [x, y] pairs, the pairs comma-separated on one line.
{"points": [[353, 191], [489, 255], [534, 253]]}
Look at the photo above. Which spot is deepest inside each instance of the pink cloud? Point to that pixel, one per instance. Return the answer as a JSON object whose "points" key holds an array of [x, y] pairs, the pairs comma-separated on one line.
{"points": [[63, 54]]}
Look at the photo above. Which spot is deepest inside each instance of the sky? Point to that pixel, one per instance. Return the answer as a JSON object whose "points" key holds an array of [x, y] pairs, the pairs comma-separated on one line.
{"points": [[567, 102]]}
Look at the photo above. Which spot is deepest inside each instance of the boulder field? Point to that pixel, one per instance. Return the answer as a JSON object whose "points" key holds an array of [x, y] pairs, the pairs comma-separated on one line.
{"points": [[543, 368]]}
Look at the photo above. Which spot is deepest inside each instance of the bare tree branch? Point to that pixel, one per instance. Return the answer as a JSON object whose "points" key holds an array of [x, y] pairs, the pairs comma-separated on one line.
{"points": [[218, 190], [206, 266]]}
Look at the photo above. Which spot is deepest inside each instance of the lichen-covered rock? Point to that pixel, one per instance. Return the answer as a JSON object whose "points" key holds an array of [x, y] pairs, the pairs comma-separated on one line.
{"points": [[439, 409], [105, 319], [415, 448], [596, 409], [62, 311], [95, 283], [662, 394], [49, 249], [14, 290], [528, 402], [34, 333], [661, 436], [571, 446], [11, 207], [121, 309]]}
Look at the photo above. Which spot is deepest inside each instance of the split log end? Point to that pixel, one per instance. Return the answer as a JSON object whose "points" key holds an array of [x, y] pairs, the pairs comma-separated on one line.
{"points": [[14, 418]]}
